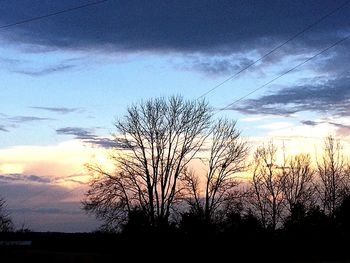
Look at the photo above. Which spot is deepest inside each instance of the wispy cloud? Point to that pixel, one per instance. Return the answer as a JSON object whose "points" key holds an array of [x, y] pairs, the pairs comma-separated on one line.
{"points": [[88, 136], [215, 66], [44, 71], [22, 119], [11, 122], [79, 133], [34, 68], [62, 110]]}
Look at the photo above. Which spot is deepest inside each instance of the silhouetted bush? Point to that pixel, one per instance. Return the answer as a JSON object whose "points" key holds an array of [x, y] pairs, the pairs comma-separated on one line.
{"points": [[343, 215]]}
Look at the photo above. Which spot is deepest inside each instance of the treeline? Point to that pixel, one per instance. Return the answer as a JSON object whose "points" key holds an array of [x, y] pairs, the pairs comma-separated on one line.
{"points": [[178, 169]]}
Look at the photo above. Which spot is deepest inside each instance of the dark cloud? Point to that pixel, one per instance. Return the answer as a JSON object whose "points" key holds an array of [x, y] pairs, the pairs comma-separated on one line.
{"points": [[43, 210], [310, 123], [62, 110], [88, 136], [185, 26], [327, 96], [204, 28], [3, 128], [45, 207], [79, 133], [11, 178], [43, 204]]}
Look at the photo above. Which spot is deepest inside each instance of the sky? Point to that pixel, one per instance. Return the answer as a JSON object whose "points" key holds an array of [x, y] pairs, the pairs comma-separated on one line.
{"points": [[66, 78]]}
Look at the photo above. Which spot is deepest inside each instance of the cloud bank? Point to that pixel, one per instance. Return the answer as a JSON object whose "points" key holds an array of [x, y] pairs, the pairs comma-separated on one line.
{"points": [[184, 26]]}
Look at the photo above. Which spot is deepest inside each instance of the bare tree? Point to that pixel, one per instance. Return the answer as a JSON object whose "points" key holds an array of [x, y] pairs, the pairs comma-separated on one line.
{"points": [[333, 175], [6, 224], [160, 138], [267, 186], [298, 181], [227, 156]]}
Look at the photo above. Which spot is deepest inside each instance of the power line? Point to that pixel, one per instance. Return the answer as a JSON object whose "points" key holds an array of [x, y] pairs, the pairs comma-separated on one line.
{"points": [[52, 14], [286, 72], [274, 49]]}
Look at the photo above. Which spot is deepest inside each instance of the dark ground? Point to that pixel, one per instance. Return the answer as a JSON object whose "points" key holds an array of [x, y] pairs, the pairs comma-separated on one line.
{"points": [[99, 247]]}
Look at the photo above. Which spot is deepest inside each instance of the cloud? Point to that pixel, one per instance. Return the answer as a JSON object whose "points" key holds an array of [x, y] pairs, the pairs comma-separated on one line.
{"points": [[43, 71], [87, 136], [16, 121], [219, 34], [309, 123], [327, 96], [21, 119], [79, 133], [44, 210], [14, 178], [3, 128], [224, 65], [34, 68], [46, 207], [62, 110], [342, 130], [9, 62], [184, 26]]}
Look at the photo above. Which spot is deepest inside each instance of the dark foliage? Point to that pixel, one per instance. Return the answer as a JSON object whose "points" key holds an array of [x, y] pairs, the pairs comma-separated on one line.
{"points": [[6, 224]]}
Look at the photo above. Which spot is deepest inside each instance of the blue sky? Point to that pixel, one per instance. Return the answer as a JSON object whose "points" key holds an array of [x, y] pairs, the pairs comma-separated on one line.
{"points": [[64, 79]]}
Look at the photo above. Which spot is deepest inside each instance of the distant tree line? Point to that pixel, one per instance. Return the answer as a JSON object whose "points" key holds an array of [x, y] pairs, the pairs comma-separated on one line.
{"points": [[155, 184]]}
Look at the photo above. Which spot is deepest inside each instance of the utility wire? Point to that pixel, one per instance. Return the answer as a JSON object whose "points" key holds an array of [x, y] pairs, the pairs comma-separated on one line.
{"points": [[285, 73], [274, 49], [71, 9]]}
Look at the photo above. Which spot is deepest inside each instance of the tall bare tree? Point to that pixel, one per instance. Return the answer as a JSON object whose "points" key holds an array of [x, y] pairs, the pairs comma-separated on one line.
{"points": [[298, 181], [227, 156], [333, 175], [267, 196], [160, 137]]}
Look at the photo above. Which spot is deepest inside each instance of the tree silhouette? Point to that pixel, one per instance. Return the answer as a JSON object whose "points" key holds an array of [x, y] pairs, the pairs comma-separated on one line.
{"points": [[334, 176], [160, 137], [298, 182], [266, 192], [227, 156]]}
